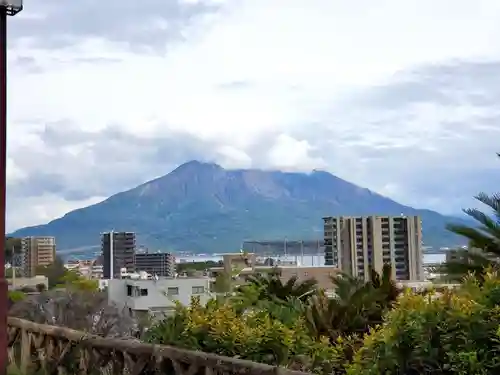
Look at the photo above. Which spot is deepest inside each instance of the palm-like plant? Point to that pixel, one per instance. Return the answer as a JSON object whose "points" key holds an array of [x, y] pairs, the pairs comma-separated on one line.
{"points": [[385, 286], [272, 287], [484, 241], [356, 307]]}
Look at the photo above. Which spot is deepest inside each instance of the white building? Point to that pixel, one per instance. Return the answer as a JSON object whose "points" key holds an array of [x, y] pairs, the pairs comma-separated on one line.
{"points": [[156, 297]]}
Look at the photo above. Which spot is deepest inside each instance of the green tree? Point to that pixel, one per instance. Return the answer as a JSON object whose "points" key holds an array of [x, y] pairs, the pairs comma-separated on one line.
{"points": [[10, 271], [223, 283], [16, 296], [256, 336], [41, 288], [75, 281], [272, 287], [356, 307], [455, 333], [484, 240], [197, 266], [55, 272], [12, 246]]}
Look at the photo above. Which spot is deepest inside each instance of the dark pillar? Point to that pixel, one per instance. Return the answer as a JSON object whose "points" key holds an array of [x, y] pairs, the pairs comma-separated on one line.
{"points": [[3, 184]]}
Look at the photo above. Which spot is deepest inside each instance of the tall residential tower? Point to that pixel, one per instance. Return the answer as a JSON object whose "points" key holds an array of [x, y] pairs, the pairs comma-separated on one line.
{"points": [[159, 264], [118, 251], [36, 252], [357, 244]]}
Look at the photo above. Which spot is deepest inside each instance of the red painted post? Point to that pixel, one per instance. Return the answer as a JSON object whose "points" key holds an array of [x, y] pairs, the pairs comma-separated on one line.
{"points": [[3, 185]]}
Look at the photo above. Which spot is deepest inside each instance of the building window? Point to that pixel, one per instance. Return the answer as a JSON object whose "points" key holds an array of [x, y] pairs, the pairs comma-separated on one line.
{"points": [[306, 274], [172, 291], [129, 290], [144, 292], [198, 289]]}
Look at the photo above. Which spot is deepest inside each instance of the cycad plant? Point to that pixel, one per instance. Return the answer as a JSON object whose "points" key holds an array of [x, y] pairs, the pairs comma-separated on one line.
{"points": [[356, 306], [272, 287]]}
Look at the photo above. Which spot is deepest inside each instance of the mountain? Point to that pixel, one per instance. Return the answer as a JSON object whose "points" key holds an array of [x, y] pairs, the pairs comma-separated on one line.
{"points": [[203, 207]]}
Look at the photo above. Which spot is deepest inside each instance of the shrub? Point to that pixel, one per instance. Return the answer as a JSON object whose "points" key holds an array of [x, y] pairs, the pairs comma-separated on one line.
{"points": [[16, 296], [41, 288], [253, 335], [457, 332], [81, 310]]}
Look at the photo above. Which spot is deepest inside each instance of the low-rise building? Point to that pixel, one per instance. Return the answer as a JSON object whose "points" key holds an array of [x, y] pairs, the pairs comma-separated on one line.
{"points": [[158, 296], [460, 255], [241, 265], [27, 282]]}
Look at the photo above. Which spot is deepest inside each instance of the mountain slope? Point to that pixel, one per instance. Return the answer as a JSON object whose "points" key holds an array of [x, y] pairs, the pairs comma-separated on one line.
{"points": [[205, 208]]}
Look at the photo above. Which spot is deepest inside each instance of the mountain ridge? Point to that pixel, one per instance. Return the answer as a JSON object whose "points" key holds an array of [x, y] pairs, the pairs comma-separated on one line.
{"points": [[202, 207]]}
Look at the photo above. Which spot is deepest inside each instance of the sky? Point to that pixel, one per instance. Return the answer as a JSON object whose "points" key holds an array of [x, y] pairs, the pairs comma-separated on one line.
{"points": [[397, 96]]}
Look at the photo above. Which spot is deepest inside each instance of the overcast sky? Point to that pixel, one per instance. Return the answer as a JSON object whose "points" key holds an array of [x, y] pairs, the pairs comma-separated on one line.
{"points": [[399, 96]]}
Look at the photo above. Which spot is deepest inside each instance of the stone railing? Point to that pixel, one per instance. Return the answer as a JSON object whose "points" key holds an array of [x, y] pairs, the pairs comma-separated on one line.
{"points": [[44, 349]]}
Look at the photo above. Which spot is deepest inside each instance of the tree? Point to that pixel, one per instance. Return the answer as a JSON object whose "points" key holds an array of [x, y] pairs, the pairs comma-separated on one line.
{"points": [[13, 246], [16, 296], [55, 272], [41, 288], [269, 262], [356, 307], [197, 266], [223, 283], [10, 271], [272, 287], [256, 336], [484, 240], [455, 333], [82, 310]]}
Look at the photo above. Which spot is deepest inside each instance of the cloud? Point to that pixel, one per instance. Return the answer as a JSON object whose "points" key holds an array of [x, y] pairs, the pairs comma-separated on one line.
{"points": [[399, 97]]}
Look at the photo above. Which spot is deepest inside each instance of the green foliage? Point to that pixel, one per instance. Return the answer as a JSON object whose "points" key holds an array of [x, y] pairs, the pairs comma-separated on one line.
{"points": [[73, 280], [12, 245], [271, 287], [254, 335], [60, 277], [196, 266], [55, 272], [483, 240], [16, 295], [455, 333], [9, 272], [41, 288], [355, 308], [269, 321]]}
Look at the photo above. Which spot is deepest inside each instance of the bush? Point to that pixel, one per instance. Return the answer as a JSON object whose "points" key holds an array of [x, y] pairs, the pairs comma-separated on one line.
{"points": [[457, 332], [253, 335], [77, 309], [16, 296]]}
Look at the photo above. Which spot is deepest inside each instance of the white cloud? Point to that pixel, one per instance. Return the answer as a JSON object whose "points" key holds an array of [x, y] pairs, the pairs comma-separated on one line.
{"points": [[33, 211], [290, 154], [293, 73]]}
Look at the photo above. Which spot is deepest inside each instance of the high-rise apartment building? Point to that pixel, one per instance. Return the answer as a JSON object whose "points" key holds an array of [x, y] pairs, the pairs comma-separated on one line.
{"points": [[357, 245], [159, 264], [118, 251], [36, 252]]}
